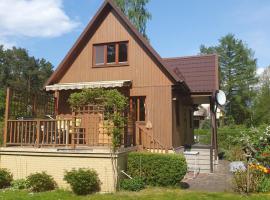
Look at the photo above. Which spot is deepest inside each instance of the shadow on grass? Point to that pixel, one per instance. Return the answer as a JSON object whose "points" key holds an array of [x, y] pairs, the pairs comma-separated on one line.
{"points": [[184, 185]]}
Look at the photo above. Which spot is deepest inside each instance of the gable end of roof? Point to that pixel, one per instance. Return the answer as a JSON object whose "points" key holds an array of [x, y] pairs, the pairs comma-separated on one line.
{"points": [[108, 5]]}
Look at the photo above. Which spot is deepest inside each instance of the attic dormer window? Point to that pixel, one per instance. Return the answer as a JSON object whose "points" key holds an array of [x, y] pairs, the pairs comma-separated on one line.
{"points": [[110, 54]]}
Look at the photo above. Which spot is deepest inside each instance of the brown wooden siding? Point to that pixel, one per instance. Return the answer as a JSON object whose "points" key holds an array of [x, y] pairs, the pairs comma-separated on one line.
{"points": [[158, 111], [142, 70], [182, 133], [147, 78]]}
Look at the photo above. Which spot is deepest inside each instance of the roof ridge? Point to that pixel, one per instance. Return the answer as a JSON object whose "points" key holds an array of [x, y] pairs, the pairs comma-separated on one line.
{"points": [[187, 57]]}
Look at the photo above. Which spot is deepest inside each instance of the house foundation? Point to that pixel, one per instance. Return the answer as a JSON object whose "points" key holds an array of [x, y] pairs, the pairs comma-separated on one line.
{"points": [[24, 161]]}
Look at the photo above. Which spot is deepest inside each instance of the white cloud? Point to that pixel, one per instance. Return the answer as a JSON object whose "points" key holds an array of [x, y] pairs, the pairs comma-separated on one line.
{"points": [[33, 18]]}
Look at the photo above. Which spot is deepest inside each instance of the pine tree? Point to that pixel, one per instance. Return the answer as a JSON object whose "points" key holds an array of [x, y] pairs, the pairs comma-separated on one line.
{"points": [[262, 101], [237, 67]]}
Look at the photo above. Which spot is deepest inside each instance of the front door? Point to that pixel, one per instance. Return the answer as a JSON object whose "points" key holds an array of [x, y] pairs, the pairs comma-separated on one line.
{"points": [[136, 113]]}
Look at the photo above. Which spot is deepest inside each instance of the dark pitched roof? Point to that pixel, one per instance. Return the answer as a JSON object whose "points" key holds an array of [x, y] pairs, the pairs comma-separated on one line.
{"points": [[107, 6], [200, 72]]}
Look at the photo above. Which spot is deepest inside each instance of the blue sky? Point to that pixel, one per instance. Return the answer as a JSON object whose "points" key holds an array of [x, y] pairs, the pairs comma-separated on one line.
{"points": [[178, 27]]}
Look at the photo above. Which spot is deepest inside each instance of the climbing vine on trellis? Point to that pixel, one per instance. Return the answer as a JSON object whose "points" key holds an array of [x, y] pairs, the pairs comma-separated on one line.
{"points": [[114, 103]]}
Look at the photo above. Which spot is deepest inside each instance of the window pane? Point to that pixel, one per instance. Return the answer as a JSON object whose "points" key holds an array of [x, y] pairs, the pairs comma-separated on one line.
{"points": [[142, 109], [99, 55], [111, 53], [138, 108], [123, 52]]}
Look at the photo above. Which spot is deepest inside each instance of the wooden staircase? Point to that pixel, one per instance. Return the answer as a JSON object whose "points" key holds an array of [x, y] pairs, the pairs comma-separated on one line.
{"points": [[146, 141]]}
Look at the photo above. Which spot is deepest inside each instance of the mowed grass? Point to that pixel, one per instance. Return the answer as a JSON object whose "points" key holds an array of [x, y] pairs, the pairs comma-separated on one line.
{"points": [[151, 194]]}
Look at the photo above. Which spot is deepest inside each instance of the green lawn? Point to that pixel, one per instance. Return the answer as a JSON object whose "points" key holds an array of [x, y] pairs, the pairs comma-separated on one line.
{"points": [[152, 194]]}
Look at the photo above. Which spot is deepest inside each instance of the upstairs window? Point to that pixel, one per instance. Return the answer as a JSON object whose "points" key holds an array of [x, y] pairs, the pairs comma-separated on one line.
{"points": [[111, 54], [99, 55], [122, 53]]}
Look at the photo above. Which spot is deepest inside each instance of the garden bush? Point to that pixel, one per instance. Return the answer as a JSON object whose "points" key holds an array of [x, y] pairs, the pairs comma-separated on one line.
{"points": [[40, 182], [19, 184], [264, 185], [5, 178], [83, 181], [229, 139], [258, 179], [157, 169], [135, 184], [235, 153], [241, 180]]}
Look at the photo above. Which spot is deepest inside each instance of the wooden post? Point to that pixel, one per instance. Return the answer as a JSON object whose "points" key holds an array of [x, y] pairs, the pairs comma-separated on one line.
{"points": [[38, 132], [67, 132], [213, 135], [73, 130], [56, 106], [137, 130], [211, 160], [138, 109], [132, 121], [6, 116]]}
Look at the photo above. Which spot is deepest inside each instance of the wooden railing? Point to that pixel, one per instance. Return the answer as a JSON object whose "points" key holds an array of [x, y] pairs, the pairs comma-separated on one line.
{"points": [[39, 132], [59, 132], [145, 140]]}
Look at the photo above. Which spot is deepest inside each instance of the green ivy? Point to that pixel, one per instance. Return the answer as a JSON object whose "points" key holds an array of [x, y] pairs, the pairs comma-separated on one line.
{"points": [[115, 105]]}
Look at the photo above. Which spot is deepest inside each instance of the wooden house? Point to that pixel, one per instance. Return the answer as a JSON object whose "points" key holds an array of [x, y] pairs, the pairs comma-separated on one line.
{"points": [[111, 53]]}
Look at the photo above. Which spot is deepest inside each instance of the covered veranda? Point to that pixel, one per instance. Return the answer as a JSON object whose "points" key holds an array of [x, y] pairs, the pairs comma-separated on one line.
{"points": [[45, 119]]}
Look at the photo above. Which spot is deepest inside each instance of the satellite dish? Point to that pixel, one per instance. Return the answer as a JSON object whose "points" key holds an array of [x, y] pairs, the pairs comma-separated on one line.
{"points": [[220, 97]]}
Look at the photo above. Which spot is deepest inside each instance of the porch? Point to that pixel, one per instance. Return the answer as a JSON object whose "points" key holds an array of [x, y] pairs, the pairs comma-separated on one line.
{"points": [[38, 121]]}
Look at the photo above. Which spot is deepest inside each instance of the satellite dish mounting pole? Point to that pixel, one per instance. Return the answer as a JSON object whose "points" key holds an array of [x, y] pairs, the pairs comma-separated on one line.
{"points": [[213, 109]]}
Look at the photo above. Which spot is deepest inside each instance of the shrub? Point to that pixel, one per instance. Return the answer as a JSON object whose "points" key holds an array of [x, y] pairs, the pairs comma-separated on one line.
{"points": [[264, 185], [83, 181], [235, 153], [135, 184], [19, 184], [228, 139], [206, 124], [40, 182], [241, 180], [5, 178], [157, 169]]}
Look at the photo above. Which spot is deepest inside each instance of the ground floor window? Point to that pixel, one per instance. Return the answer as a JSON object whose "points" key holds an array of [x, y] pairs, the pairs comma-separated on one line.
{"points": [[137, 107]]}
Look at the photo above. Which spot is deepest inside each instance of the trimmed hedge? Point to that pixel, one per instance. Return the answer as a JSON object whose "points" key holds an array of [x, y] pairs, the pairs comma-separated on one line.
{"points": [[157, 169]]}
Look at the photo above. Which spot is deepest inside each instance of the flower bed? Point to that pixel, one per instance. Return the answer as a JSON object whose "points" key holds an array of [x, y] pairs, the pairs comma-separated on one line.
{"points": [[260, 168], [256, 145]]}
